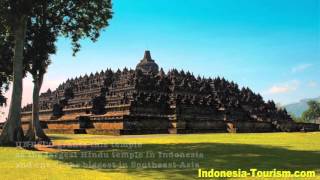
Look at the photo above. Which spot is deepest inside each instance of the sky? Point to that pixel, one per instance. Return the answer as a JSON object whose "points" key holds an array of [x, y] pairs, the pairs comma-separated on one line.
{"points": [[271, 46]]}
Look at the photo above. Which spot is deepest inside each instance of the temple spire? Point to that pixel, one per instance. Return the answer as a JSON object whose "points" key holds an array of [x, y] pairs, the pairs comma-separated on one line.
{"points": [[147, 56], [147, 64]]}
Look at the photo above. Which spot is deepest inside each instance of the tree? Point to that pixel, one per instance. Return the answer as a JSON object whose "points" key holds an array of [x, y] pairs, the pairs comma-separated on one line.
{"points": [[13, 17], [313, 112], [73, 19], [6, 54], [40, 44]]}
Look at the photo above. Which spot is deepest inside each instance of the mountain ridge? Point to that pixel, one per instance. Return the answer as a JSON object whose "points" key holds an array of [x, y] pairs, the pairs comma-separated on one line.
{"points": [[299, 107]]}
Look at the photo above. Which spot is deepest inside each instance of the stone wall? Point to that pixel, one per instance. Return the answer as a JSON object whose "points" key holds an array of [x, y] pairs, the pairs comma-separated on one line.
{"points": [[184, 122], [108, 124], [65, 124], [199, 126], [252, 127], [25, 126], [145, 123], [213, 125], [44, 115], [294, 127], [60, 131], [310, 127]]}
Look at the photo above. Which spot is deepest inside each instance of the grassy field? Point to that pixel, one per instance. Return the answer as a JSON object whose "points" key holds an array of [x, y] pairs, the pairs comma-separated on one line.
{"points": [[119, 156]]}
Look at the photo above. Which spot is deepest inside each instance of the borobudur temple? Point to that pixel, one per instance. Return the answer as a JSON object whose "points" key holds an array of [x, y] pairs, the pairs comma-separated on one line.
{"points": [[148, 100]]}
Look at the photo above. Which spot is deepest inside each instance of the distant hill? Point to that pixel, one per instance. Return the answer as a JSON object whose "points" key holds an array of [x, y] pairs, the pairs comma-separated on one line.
{"points": [[298, 108]]}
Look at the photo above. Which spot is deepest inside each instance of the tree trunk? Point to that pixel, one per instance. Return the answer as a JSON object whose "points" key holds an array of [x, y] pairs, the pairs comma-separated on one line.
{"points": [[31, 134], [12, 131], [35, 110], [35, 132]]}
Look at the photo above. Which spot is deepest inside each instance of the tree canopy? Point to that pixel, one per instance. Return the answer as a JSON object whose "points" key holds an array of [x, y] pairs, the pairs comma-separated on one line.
{"points": [[313, 111], [6, 54], [34, 27]]}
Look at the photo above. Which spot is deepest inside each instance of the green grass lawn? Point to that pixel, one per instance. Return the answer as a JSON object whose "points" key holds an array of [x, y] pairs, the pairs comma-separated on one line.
{"points": [[283, 151]]}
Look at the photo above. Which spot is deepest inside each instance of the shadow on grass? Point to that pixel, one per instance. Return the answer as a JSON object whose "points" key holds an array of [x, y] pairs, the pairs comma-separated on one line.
{"points": [[215, 155]]}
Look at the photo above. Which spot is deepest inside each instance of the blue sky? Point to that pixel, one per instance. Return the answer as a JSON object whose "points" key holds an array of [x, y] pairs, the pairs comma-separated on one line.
{"points": [[272, 46]]}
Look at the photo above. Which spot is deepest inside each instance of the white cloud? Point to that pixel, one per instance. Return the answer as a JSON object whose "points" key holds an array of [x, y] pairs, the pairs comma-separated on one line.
{"points": [[284, 87], [312, 84], [300, 68]]}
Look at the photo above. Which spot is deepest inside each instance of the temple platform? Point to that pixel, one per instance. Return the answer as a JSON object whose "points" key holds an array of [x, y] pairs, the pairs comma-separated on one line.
{"points": [[135, 125]]}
